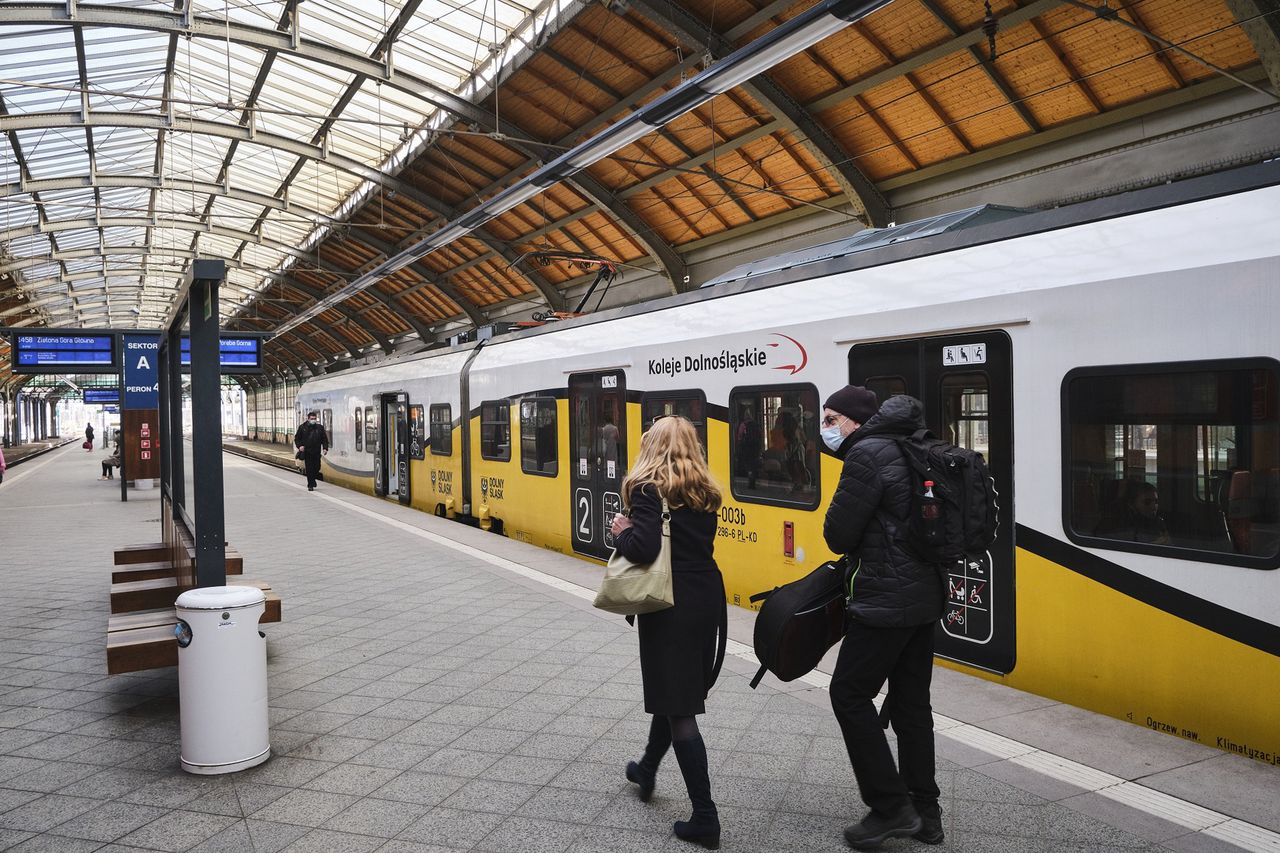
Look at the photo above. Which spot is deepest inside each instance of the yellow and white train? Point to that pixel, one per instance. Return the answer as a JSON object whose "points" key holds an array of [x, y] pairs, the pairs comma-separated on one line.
{"points": [[1106, 357]]}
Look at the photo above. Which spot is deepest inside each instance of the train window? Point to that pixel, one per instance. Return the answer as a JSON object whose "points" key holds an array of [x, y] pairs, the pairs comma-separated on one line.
{"points": [[359, 430], [688, 404], [774, 444], [495, 430], [326, 420], [886, 386], [371, 429], [417, 448], [539, 443], [964, 410], [1181, 460], [442, 429]]}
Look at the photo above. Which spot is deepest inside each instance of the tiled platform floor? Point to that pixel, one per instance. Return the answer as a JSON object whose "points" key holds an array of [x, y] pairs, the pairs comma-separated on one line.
{"points": [[426, 699]]}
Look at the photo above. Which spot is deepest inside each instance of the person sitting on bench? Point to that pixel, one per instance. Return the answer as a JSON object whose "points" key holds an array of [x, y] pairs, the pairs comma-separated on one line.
{"points": [[109, 463]]}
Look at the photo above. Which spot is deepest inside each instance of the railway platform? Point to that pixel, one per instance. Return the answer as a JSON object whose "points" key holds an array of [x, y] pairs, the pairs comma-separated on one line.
{"points": [[437, 688], [31, 449]]}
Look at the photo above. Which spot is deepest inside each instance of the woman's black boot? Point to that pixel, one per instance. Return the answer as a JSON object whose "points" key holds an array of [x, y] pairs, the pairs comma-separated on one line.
{"points": [[703, 827], [645, 771]]}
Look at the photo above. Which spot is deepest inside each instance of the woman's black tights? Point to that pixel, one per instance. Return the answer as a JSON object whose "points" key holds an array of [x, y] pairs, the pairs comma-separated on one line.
{"points": [[683, 728], [662, 731]]}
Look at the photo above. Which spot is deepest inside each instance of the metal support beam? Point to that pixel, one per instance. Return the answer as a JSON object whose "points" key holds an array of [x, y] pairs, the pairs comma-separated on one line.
{"points": [[1260, 21]]}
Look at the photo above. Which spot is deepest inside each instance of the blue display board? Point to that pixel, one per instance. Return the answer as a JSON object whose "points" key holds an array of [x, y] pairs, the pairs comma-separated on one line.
{"points": [[65, 352], [236, 353], [141, 374], [101, 396]]}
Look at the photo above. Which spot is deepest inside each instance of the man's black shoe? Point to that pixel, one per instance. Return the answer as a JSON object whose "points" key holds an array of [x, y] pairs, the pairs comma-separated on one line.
{"points": [[875, 828], [931, 823], [311, 488]]}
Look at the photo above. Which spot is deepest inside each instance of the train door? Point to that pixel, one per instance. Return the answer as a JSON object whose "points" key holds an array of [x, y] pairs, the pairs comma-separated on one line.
{"points": [[966, 385], [391, 461], [598, 438]]}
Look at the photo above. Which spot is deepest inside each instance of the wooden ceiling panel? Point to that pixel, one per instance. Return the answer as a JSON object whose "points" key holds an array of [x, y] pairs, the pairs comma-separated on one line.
{"points": [[540, 211], [1093, 48], [909, 116], [905, 33], [659, 212], [553, 100], [493, 280], [1211, 34], [726, 15], [871, 143], [412, 293], [967, 98], [1038, 73]]}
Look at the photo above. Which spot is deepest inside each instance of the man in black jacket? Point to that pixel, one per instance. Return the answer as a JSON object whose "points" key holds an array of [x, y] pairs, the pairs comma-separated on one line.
{"points": [[894, 602], [311, 440]]}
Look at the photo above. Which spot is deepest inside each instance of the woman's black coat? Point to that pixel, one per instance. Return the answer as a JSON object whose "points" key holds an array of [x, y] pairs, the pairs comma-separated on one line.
{"points": [[677, 645]]}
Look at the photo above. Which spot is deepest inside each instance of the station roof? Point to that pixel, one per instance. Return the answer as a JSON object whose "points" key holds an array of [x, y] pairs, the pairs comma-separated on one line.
{"points": [[307, 142]]}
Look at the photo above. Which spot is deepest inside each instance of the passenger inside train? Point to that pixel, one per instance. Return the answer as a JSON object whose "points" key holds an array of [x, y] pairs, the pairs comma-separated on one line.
{"points": [[1134, 515]]}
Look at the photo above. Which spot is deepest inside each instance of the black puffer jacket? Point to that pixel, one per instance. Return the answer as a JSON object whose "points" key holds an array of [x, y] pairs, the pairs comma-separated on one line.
{"points": [[868, 515]]}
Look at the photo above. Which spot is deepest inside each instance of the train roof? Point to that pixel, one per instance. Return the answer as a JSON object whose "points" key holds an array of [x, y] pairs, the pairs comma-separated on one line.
{"points": [[873, 238]]}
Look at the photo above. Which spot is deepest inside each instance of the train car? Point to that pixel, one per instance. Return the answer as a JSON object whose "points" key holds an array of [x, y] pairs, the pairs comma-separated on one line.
{"points": [[391, 429], [1116, 361]]}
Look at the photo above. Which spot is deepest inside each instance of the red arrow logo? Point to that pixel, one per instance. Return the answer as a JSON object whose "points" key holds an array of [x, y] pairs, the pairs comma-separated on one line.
{"points": [[804, 356]]}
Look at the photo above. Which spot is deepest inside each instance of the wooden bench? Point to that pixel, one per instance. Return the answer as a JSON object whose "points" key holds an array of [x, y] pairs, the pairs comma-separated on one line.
{"points": [[164, 569], [144, 639], [140, 630], [157, 553]]}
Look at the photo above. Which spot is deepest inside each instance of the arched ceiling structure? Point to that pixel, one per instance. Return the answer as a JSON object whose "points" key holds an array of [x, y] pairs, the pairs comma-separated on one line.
{"points": [[307, 142]]}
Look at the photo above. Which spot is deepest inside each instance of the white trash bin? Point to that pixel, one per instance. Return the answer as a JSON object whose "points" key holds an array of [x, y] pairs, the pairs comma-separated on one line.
{"points": [[222, 679]]}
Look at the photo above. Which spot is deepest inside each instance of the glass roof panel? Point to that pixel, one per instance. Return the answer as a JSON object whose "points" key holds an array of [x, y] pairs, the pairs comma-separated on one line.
{"points": [[447, 42], [124, 236], [77, 238], [61, 205], [124, 201], [124, 151]]}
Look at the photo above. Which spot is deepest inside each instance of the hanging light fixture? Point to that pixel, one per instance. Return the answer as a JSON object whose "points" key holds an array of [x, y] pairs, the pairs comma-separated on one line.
{"points": [[989, 26]]}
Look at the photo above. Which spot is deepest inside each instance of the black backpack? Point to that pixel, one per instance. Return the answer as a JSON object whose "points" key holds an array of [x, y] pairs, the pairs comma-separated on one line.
{"points": [[960, 519], [800, 621]]}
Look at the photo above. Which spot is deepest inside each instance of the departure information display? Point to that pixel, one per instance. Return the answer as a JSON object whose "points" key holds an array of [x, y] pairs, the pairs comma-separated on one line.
{"points": [[64, 352], [236, 353], [101, 396]]}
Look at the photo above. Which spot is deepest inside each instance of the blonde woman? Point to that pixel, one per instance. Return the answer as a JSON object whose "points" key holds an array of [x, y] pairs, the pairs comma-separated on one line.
{"points": [[679, 659]]}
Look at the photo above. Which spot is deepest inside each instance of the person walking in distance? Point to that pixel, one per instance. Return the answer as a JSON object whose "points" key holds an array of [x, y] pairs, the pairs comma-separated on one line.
{"points": [[894, 601], [678, 648], [88, 438], [312, 441]]}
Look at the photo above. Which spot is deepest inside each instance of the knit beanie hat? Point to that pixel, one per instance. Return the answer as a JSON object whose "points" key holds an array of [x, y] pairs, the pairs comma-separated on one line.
{"points": [[854, 402]]}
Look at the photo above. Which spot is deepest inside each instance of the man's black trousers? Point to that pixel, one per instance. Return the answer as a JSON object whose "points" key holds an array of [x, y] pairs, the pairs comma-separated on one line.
{"points": [[312, 462], [903, 656]]}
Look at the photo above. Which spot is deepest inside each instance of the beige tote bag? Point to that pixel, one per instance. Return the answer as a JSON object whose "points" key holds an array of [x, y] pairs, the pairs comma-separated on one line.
{"points": [[630, 589]]}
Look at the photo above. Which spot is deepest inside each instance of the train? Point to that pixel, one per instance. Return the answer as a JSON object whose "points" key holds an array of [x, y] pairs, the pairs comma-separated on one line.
{"points": [[1116, 361]]}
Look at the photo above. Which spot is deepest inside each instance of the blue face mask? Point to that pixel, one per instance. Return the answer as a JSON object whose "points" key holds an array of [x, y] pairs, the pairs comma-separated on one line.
{"points": [[832, 437]]}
